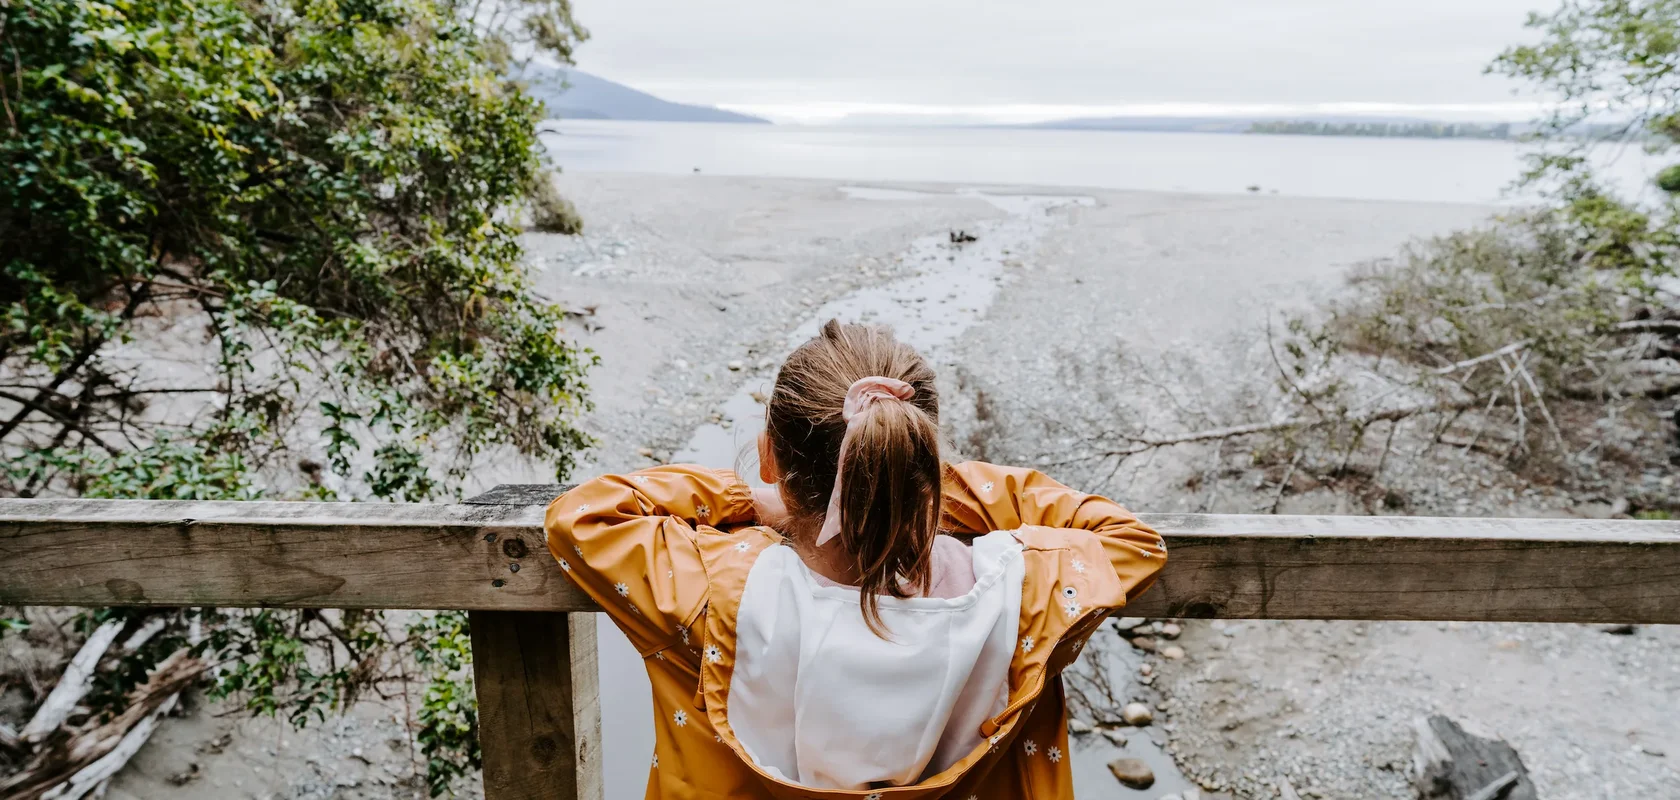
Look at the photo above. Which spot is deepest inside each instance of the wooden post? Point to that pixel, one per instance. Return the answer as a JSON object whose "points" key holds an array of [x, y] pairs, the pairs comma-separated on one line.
{"points": [[539, 705], [539, 710]]}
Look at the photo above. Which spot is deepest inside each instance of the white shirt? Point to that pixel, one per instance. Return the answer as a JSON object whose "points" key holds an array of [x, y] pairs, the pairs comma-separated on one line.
{"points": [[820, 700]]}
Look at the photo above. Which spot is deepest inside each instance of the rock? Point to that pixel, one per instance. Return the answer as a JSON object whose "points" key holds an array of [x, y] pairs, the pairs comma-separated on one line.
{"points": [[1137, 714], [1132, 772], [1077, 725], [1117, 737], [737, 365], [1146, 629], [1144, 643], [1172, 651], [1127, 623], [1621, 630], [1171, 630], [1451, 762], [1146, 669], [758, 396], [644, 452]]}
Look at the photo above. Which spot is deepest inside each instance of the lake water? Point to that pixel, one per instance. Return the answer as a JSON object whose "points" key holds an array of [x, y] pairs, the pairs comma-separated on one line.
{"points": [[1437, 170]]}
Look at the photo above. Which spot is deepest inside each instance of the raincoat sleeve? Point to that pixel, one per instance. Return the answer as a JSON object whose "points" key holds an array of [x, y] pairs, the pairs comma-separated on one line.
{"points": [[981, 497], [629, 542]]}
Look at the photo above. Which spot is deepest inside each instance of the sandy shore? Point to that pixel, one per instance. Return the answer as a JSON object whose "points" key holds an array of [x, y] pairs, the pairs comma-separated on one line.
{"points": [[690, 288]]}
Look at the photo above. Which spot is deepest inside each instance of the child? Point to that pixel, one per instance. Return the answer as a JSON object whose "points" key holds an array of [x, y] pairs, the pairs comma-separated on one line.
{"points": [[832, 636]]}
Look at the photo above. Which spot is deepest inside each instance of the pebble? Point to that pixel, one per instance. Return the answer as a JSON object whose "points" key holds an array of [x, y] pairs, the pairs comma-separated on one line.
{"points": [[1172, 651], [737, 365], [644, 452], [1144, 643], [1146, 669], [1127, 623], [1077, 725], [1132, 772], [1137, 714], [1117, 737], [681, 363], [1171, 630]]}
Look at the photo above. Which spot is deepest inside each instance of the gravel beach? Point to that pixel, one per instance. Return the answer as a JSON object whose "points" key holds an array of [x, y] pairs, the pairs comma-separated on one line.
{"points": [[689, 288]]}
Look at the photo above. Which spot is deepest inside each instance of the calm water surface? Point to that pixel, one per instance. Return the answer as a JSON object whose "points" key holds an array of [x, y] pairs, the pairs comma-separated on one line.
{"points": [[1437, 170]]}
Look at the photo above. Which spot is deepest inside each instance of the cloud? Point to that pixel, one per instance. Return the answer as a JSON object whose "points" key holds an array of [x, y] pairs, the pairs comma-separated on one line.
{"points": [[1023, 60]]}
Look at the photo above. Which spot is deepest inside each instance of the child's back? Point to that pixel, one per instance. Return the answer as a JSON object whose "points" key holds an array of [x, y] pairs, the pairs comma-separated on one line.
{"points": [[858, 649]]}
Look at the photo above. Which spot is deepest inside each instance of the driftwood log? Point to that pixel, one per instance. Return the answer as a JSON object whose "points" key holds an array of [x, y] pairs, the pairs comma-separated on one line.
{"points": [[1452, 764], [70, 768]]}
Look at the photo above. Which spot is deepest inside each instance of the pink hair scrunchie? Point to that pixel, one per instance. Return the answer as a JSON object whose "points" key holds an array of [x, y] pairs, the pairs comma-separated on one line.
{"points": [[859, 398]]}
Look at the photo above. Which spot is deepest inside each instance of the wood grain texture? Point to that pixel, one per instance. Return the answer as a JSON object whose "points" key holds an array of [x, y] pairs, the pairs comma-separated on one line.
{"points": [[539, 719], [364, 555]]}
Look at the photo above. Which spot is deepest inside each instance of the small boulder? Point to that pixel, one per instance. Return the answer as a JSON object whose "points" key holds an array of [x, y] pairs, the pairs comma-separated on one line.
{"points": [[1132, 772], [1137, 714]]}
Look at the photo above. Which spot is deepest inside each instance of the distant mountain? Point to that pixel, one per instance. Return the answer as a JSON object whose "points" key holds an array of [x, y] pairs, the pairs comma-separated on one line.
{"points": [[591, 97]]}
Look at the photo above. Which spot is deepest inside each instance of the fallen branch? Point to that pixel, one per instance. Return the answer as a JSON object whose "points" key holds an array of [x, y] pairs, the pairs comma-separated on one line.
{"points": [[72, 686], [1140, 445], [96, 774], [144, 633], [1483, 358], [56, 767], [1669, 326]]}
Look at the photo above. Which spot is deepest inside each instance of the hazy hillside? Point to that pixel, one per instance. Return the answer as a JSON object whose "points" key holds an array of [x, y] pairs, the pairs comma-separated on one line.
{"points": [[591, 97]]}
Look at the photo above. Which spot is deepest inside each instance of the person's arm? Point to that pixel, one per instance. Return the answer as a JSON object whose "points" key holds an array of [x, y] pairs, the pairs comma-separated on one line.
{"points": [[629, 542], [981, 497]]}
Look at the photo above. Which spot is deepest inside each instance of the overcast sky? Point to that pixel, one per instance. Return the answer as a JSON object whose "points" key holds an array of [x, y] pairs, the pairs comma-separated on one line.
{"points": [[1021, 59]]}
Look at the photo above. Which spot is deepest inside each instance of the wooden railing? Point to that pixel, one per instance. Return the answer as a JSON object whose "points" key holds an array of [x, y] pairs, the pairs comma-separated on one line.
{"points": [[533, 638]]}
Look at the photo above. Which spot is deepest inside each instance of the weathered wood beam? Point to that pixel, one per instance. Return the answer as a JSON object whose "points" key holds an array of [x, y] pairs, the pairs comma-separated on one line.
{"points": [[539, 712], [492, 557]]}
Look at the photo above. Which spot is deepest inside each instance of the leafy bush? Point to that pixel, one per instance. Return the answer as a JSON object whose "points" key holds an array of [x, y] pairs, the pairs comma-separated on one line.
{"points": [[312, 187], [263, 248]]}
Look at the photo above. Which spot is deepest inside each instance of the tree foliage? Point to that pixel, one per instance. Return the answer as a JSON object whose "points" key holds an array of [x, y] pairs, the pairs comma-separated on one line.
{"points": [[268, 248], [307, 200]]}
